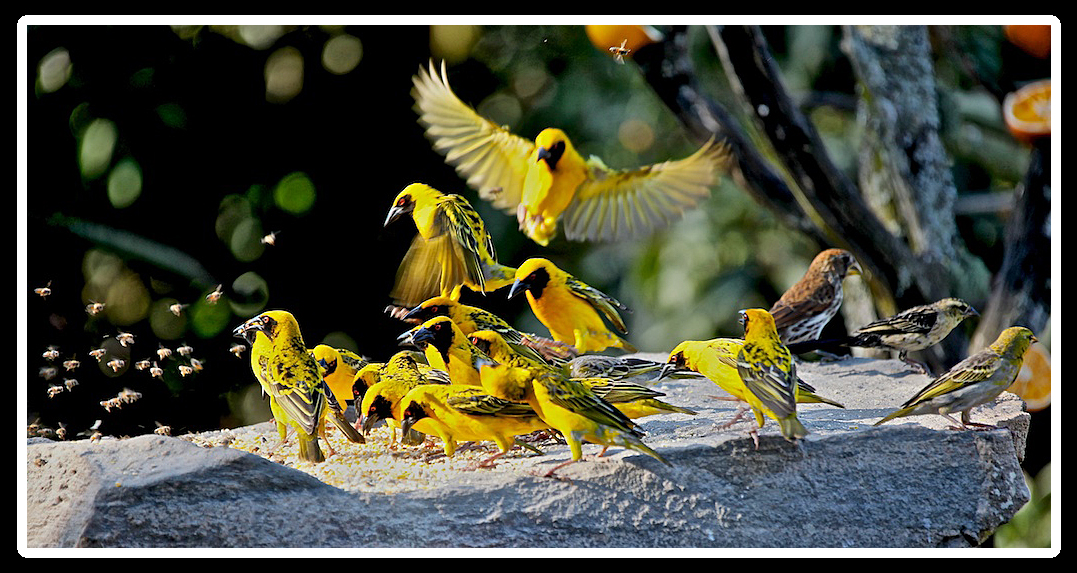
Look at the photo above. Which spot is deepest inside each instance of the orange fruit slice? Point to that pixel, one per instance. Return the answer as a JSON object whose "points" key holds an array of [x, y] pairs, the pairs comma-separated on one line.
{"points": [[1033, 382], [1035, 40], [1027, 111]]}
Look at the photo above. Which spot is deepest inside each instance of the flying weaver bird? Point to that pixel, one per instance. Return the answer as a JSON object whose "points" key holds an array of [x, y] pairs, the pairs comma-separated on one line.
{"points": [[976, 380], [451, 250], [544, 180], [570, 308], [910, 330], [803, 310]]}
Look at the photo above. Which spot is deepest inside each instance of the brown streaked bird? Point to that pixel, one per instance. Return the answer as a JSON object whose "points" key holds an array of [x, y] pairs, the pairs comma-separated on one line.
{"points": [[802, 312]]}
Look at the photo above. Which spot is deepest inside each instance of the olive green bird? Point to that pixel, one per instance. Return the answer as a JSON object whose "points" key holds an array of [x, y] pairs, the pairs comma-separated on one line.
{"points": [[976, 380]]}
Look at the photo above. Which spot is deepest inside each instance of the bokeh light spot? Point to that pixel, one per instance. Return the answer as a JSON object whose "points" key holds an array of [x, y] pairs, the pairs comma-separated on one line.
{"points": [[164, 323], [95, 148], [295, 193], [208, 320], [251, 294], [342, 53], [124, 183], [284, 75], [635, 135], [452, 43], [54, 70], [245, 242], [172, 115]]}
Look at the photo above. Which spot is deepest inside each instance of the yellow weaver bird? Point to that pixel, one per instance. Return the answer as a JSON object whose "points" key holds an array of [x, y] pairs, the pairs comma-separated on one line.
{"points": [[767, 369], [716, 359], [451, 250], [448, 348], [546, 179], [633, 400], [567, 406], [459, 412], [472, 318], [570, 308], [338, 367], [288, 373], [976, 380], [385, 385]]}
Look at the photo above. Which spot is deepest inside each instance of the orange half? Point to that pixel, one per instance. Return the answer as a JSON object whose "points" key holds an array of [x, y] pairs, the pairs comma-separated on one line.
{"points": [[1027, 111]]}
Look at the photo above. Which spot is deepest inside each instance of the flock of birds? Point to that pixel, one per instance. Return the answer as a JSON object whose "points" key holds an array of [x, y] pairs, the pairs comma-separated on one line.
{"points": [[469, 376]]}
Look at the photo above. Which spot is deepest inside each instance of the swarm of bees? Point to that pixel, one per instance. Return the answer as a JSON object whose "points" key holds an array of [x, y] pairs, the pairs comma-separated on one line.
{"points": [[186, 364]]}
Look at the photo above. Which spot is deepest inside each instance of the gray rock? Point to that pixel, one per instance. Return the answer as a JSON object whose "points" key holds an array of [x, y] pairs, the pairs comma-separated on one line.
{"points": [[908, 483]]}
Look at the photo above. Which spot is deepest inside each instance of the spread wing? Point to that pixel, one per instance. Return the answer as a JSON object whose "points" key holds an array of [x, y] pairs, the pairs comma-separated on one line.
{"points": [[488, 156], [613, 205]]}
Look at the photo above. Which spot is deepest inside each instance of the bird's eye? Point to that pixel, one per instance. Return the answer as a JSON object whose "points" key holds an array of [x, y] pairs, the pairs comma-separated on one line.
{"points": [[402, 202]]}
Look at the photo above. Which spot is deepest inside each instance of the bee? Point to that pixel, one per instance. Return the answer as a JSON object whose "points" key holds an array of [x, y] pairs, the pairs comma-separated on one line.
{"points": [[164, 352], [185, 370], [162, 430], [142, 364], [72, 364], [128, 395], [116, 402], [238, 349], [95, 307], [115, 364], [46, 433], [125, 338], [61, 432], [156, 371], [99, 353], [196, 364], [107, 405], [619, 52], [96, 436], [270, 239], [214, 296], [70, 383], [177, 308], [31, 429], [51, 354], [185, 350], [54, 390], [47, 372], [44, 291]]}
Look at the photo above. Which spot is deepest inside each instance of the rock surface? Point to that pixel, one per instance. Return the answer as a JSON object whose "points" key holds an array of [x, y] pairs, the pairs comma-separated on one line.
{"points": [[908, 483]]}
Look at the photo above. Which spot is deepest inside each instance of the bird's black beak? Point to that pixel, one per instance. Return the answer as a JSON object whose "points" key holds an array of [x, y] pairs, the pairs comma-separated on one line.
{"points": [[405, 338], [396, 212], [419, 312], [422, 336], [368, 422], [518, 288], [249, 330], [543, 153], [667, 369]]}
